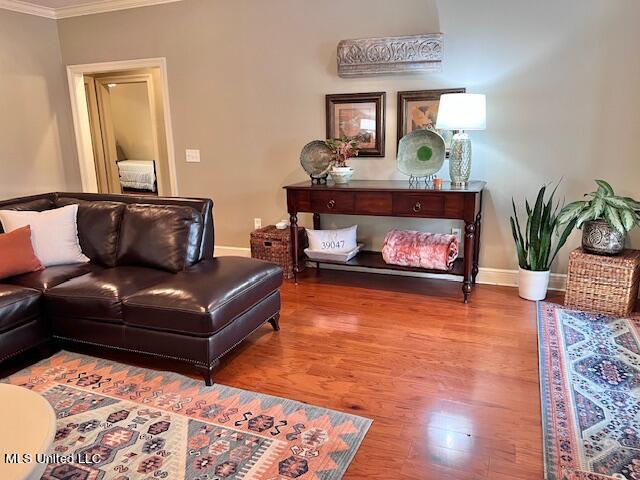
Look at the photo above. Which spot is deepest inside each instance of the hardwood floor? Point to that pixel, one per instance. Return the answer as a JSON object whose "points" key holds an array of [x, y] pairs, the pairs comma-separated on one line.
{"points": [[452, 388]]}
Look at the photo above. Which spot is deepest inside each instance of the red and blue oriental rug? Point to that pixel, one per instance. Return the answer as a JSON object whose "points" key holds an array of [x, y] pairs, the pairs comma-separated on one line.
{"points": [[590, 387], [135, 423]]}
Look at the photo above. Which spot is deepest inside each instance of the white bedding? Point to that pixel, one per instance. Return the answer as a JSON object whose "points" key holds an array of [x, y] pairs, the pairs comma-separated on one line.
{"points": [[139, 174]]}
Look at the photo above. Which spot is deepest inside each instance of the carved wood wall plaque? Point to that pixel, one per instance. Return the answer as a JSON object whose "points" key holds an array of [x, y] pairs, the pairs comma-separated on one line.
{"points": [[388, 55]]}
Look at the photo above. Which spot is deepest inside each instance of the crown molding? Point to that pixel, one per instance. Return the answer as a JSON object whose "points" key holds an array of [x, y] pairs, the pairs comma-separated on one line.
{"points": [[90, 8], [106, 6], [28, 8]]}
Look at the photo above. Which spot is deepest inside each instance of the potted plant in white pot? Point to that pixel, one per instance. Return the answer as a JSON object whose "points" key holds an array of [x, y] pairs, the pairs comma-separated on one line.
{"points": [[343, 148], [538, 247], [605, 219]]}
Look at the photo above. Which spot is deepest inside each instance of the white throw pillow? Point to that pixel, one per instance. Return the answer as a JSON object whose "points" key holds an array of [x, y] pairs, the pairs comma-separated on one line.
{"points": [[54, 233], [341, 240]]}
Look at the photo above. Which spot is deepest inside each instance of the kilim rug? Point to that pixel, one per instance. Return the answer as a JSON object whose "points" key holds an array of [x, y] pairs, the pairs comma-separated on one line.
{"points": [[590, 387], [134, 423]]}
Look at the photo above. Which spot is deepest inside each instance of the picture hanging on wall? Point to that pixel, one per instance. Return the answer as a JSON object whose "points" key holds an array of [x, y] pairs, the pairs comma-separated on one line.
{"points": [[418, 110], [358, 115]]}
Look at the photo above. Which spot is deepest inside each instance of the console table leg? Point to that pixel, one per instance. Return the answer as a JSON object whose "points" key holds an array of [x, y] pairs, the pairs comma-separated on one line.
{"points": [[316, 226], [293, 219], [469, 248], [476, 247]]}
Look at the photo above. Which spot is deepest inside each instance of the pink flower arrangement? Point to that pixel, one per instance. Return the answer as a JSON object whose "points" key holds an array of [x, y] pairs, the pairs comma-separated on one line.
{"points": [[343, 148]]}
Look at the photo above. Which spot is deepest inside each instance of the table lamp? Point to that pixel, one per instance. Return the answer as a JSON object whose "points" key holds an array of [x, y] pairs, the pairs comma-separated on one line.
{"points": [[461, 111]]}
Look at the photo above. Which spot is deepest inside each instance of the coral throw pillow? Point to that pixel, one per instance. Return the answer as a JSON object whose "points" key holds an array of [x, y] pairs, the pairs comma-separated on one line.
{"points": [[16, 253]]}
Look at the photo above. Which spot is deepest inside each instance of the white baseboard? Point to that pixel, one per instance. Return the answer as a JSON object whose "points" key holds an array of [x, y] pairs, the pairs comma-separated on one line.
{"points": [[221, 251], [509, 278], [487, 276]]}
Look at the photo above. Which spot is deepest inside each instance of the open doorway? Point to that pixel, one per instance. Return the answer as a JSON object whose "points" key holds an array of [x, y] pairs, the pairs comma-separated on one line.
{"points": [[123, 129]]}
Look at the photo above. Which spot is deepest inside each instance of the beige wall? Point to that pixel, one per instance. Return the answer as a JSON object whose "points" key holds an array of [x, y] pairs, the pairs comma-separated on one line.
{"points": [[37, 153], [131, 116], [247, 81]]}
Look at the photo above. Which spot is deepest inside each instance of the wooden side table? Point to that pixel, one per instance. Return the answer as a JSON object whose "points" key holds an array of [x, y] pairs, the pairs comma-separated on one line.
{"points": [[603, 284], [394, 198]]}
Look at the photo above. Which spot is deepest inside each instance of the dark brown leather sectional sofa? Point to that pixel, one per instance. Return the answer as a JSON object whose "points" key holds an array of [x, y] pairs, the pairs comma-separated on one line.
{"points": [[152, 285]]}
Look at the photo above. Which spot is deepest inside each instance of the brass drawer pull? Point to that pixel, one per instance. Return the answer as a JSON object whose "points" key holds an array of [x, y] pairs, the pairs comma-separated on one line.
{"points": [[331, 203], [417, 207]]}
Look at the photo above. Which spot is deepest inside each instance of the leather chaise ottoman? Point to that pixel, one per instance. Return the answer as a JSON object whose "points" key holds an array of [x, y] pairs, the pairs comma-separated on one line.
{"points": [[215, 302]]}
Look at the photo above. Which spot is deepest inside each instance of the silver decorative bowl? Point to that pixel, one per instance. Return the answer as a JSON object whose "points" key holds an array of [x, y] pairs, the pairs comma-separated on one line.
{"points": [[316, 159], [601, 238]]}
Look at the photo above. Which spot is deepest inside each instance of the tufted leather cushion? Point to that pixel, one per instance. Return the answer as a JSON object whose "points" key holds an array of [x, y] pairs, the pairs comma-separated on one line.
{"points": [[18, 305], [98, 228], [160, 236], [52, 276], [205, 298], [98, 295]]}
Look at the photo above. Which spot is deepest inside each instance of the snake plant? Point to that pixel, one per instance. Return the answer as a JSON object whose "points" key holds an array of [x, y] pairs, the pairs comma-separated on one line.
{"points": [[536, 249], [619, 212]]}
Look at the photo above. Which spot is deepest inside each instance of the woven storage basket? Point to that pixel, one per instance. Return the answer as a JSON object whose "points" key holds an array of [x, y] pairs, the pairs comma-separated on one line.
{"points": [[603, 284], [273, 245]]}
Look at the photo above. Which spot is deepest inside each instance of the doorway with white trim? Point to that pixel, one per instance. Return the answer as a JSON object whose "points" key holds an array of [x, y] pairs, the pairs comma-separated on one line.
{"points": [[123, 129]]}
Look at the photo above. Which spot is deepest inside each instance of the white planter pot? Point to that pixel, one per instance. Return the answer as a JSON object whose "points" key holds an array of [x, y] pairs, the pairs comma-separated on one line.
{"points": [[341, 175], [533, 285]]}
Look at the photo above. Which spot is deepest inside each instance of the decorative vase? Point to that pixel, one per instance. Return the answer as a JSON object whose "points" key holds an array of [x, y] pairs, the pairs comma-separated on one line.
{"points": [[341, 175], [600, 238], [533, 285], [460, 159]]}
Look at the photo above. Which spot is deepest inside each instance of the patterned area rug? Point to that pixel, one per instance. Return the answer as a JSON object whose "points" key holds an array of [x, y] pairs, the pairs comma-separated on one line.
{"points": [[590, 387], [134, 423]]}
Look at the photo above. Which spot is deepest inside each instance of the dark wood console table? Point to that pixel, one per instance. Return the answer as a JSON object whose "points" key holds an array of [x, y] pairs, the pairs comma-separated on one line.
{"points": [[394, 198]]}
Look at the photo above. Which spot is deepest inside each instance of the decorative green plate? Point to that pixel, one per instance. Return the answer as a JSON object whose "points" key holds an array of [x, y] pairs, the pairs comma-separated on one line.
{"points": [[421, 153]]}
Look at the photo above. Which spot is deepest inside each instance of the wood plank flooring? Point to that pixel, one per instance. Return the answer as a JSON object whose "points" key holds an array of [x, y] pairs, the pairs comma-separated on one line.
{"points": [[452, 389]]}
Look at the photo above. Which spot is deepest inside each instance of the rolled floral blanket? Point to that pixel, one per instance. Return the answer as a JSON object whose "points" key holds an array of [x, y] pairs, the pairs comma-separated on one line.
{"points": [[436, 251]]}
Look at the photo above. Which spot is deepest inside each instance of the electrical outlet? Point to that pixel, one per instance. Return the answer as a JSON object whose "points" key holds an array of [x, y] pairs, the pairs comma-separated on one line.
{"points": [[458, 233], [257, 223], [192, 155]]}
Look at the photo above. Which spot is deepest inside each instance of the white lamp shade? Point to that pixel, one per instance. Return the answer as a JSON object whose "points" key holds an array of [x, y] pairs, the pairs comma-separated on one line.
{"points": [[462, 111]]}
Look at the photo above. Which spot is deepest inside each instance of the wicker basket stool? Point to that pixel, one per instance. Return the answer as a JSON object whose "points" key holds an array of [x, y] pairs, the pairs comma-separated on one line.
{"points": [[603, 284], [273, 245]]}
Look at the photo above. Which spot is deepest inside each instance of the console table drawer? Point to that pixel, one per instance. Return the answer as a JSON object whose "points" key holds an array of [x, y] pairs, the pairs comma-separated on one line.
{"points": [[332, 202], [374, 203], [418, 205]]}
